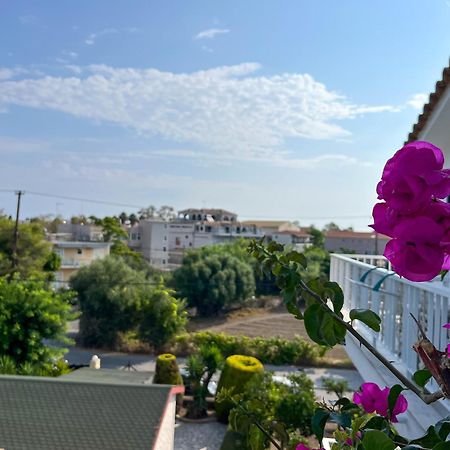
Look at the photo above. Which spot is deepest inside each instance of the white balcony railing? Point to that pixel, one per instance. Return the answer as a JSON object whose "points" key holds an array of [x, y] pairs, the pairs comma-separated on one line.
{"points": [[367, 283]]}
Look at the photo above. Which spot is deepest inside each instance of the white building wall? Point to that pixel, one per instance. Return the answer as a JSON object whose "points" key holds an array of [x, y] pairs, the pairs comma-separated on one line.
{"points": [[181, 235], [166, 434], [154, 242]]}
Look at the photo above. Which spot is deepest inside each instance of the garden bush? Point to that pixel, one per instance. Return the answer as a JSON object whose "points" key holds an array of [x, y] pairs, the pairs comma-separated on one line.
{"points": [[237, 371], [275, 350], [54, 368], [290, 404], [167, 371]]}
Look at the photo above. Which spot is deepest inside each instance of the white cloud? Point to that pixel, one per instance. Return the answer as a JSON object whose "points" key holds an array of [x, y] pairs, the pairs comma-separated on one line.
{"points": [[211, 33], [9, 145], [417, 101], [227, 110], [7, 73], [90, 40]]}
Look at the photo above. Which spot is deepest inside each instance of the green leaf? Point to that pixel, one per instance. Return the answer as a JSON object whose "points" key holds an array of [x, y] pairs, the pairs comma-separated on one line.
{"points": [[443, 273], [366, 316], [256, 438], [293, 309], [442, 446], [318, 423], [443, 428], [421, 377], [297, 257], [322, 328], [333, 291], [429, 439], [342, 419], [377, 423], [393, 396], [377, 440]]}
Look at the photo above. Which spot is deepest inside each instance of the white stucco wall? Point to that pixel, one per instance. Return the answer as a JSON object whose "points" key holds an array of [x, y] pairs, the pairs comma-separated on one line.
{"points": [[166, 433]]}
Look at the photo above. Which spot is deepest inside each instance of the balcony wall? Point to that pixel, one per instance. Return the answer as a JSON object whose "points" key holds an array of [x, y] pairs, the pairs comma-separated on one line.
{"points": [[369, 286]]}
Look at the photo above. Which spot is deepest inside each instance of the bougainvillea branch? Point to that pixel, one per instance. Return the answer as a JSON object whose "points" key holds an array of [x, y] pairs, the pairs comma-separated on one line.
{"points": [[427, 398]]}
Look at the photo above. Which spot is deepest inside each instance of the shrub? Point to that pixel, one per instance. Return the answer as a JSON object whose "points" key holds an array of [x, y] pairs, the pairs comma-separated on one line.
{"points": [[167, 371], [274, 404], [275, 350], [49, 369], [238, 370]]}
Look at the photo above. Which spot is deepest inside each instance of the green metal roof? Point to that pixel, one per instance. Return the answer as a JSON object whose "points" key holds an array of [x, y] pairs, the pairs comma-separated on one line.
{"points": [[38, 413]]}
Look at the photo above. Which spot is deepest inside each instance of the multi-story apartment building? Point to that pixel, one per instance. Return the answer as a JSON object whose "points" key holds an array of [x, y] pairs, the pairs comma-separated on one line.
{"points": [[163, 244], [77, 245], [151, 239]]}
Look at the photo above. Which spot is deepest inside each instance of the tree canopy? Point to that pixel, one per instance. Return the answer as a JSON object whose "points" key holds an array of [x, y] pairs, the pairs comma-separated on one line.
{"points": [[213, 277], [114, 299], [29, 314], [35, 257]]}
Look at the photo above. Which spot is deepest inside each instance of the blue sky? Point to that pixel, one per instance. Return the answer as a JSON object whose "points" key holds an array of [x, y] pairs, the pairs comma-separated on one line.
{"points": [[276, 110]]}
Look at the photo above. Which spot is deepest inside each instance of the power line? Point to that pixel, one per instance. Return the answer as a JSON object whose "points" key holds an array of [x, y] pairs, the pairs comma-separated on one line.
{"points": [[77, 199], [127, 205]]}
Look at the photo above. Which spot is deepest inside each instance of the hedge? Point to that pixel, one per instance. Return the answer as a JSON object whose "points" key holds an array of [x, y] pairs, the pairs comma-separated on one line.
{"points": [[275, 350]]}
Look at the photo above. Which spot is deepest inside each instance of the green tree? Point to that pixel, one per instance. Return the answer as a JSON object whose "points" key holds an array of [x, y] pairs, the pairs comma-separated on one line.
{"points": [[108, 296], [133, 218], [264, 283], [210, 279], [318, 238], [123, 217], [114, 299], [34, 254], [318, 263], [29, 314], [147, 213], [331, 227], [160, 315]]}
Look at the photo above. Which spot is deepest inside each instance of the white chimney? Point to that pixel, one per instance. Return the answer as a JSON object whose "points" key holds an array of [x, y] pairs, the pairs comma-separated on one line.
{"points": [[95, 362]]}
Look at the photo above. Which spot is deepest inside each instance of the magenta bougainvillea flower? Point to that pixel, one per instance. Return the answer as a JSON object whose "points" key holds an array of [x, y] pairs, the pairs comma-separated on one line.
{"points": [[416, 252], [413, 176], [374, 399], [412, 183], [305, 447]]}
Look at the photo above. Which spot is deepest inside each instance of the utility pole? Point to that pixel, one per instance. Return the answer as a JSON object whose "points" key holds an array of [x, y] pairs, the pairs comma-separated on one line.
{"points": [[16, 231]]}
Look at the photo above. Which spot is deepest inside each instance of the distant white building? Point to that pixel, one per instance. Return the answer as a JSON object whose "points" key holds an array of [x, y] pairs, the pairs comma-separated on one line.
{"points": [[362, 243], [283, 232], [151, 239], [163, 244]]}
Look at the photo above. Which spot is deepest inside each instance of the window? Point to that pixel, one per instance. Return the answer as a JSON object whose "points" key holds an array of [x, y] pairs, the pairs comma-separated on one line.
{"points": [[79, 251], [190, 244], [208, 229], [177, 241], [187, 237], [164, 261], [164, 249], [165, 238]]}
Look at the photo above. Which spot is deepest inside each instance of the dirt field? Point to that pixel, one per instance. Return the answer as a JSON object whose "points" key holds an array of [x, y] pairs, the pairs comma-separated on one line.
{"points": [[265, 323]]}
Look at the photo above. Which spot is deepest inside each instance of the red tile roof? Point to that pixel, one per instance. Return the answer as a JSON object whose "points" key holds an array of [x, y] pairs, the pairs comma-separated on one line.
{"points": [[429, 107]]}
